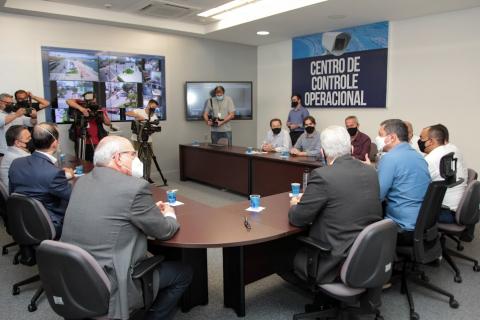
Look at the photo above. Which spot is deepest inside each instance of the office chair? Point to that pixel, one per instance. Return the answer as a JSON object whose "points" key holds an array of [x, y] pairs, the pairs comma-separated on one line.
{"points": [[425, 246], [3, 214], [372, 154], [29, 224], [78, 288], [472, 175], [367, 268], [467, 214]]}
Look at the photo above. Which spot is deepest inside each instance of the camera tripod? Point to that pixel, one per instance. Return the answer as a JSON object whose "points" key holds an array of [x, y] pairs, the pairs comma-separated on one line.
{"points": [[82, 140], [146, 155]]}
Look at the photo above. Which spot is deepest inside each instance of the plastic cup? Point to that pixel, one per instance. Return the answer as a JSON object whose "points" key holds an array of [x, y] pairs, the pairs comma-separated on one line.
{"points": [[79, 169], [284, 154], [249, 149], [295, 188], [254, 201], [195, 143], [171, 196]]}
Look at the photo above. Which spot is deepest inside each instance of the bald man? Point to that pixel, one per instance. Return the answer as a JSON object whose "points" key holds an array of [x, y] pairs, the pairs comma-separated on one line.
{"points": [[412, 139]]}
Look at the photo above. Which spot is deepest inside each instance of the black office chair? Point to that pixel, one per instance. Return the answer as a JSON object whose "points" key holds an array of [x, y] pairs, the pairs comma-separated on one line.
{"points": [[30, 224], [425, 246], [78, 288], [467, 215], [3, 214], [367, 268]]}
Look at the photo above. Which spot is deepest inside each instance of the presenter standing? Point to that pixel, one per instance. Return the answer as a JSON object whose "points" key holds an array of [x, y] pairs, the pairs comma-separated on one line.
{"points": [[218, 112], [296, 117]]}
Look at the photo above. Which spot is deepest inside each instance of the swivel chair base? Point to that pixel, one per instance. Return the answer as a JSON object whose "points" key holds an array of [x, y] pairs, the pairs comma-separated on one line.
{"points": [[33, 303]]}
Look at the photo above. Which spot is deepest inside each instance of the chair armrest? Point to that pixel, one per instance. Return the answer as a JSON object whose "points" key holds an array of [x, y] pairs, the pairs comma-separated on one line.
{"points": [[145, 266], [323, 248]]}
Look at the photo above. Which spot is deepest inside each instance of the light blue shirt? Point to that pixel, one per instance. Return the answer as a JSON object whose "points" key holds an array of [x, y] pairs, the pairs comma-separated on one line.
{"points": [[309, 143], [281, 142], [404, 178]]}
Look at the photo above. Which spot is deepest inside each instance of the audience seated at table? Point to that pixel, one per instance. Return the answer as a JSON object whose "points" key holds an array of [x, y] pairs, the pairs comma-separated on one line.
{"points": [[277, 139], [360, 141], [309, 142]]}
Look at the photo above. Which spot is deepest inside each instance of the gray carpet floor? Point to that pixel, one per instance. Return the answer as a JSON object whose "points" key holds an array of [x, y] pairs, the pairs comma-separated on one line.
{"points": [[271, 297]]}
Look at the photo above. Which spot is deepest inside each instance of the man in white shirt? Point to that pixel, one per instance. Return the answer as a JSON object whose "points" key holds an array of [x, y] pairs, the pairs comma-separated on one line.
{"points": [[18, 141], [433, 142], [8, 118], [142, 115], [277, 139]]}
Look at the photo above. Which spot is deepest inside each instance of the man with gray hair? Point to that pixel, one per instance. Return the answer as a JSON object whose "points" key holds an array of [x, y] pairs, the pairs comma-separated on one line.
{"points": [[8, 118], [340, 200], [113, 225]]}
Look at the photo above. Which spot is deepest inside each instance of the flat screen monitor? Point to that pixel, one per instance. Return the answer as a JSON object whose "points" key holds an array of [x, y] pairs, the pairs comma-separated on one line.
{"points": [[198, 93]]}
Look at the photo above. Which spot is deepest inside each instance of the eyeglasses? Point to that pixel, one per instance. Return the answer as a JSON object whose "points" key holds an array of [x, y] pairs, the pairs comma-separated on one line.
{"points": [[132, 153]]}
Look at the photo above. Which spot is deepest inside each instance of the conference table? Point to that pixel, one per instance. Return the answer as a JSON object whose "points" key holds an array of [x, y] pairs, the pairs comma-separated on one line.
{"points": [[248, 254], [231, 168]]}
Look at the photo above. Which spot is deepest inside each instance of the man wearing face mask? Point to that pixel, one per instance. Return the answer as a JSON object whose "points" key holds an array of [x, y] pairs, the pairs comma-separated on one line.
{"points": [[218, 112], [433, 142], [20, 144], [403, 176], [309, 142], [27, 99], [277, 139], [341, 199], [297, 114], [8, 118], [360, 141], [412, 138], [125, 209], [38, 176]]}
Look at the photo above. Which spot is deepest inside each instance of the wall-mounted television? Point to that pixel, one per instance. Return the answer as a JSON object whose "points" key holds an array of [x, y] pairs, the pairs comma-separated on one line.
{"points": [[198, 92]]}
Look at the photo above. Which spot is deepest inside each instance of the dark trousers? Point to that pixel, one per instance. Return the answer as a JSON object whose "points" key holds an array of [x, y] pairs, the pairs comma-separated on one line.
{"points": [[89, 151], [446, 216], [174, 278], [219, 135], [294, 135]]}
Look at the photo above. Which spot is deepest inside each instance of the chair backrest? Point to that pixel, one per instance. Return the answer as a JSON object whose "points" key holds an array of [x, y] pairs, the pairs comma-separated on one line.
{"points": [[472, 175], [28, 221], [426, 245], [372, 154], [75, 284], [468, 211], [3, 202], [369, 261]]}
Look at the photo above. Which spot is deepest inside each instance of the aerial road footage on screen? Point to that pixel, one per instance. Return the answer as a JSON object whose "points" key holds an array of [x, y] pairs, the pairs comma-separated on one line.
{"points": [[72, 66], [120, 69]]}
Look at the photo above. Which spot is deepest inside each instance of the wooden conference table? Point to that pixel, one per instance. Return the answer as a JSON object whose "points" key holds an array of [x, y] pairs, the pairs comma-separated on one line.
{"points": [[233, 169], [248, 255]]}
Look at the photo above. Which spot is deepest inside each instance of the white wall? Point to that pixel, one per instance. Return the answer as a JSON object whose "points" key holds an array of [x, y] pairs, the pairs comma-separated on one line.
{"points": [[433, 76], [186, 59]]}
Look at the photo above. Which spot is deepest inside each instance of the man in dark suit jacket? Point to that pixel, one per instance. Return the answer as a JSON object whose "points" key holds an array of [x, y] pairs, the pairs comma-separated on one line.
{"points": [[113, 225], [340, 200], [37, 176]]}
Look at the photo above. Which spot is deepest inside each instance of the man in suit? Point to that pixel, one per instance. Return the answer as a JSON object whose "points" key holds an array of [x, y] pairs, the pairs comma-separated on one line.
{"points": [[340, 200], [37, 176], [113, 225]]}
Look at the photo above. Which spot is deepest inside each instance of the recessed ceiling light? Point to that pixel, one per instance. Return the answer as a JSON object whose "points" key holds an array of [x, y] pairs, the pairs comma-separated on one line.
{"points": [[263, 33], [337, 16]]}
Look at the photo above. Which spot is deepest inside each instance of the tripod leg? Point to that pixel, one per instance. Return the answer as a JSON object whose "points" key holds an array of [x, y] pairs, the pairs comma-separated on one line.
{"points": [[154, 158]]}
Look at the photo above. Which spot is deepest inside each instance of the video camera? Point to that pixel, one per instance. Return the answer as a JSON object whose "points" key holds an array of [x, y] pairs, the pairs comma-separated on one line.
{"points": [[144, 129], [214, 120], [26, 104]]}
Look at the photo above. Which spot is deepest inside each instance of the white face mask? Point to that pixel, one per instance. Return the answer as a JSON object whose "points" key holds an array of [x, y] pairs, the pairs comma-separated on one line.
{"points": [[380, 142], [137, 168]]}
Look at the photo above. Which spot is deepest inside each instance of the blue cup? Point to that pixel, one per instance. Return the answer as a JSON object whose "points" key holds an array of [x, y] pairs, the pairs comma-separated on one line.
{"points": [[295, 189], [195, 143], [171, 196], [79, 169], [284, 154], [254, 201], [249, 149]]}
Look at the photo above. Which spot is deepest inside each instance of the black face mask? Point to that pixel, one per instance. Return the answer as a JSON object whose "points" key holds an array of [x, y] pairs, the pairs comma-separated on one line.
{"points": [[276, 130], [30, 146], [294, 104], [309, 129], [9, 108], [352, 131], [421, 145]]}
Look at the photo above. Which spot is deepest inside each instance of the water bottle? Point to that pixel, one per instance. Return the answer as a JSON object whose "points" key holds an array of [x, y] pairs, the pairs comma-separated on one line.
{"points": [[61, 160], [305, 180]]}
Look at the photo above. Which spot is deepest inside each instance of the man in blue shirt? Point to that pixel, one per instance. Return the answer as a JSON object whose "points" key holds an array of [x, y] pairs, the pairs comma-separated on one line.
{"points": [[296, 116], [403, 175]]}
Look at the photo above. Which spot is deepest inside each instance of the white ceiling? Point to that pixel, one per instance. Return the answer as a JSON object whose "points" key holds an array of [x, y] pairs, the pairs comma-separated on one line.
{"points": [[312, 19]]}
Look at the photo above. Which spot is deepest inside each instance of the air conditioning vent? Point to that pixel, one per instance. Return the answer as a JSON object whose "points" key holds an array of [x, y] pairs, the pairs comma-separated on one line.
{"points": [[162, 9]]}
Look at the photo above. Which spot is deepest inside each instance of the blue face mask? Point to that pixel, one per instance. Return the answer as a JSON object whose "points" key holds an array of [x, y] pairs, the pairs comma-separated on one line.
{"points": [[219, 98]]}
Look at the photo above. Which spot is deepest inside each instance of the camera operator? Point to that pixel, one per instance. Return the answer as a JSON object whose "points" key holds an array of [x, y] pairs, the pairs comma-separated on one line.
{"points": [[24, 99], [147, 114], [11, 115], [218, 112], [90, 117]]}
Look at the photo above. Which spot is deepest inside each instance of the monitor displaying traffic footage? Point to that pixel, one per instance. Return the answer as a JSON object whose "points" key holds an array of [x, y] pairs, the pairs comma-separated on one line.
{"points": [[197, 95], [122, 82]]}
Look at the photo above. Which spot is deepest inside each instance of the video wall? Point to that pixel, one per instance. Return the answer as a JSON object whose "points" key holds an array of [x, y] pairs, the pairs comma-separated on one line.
{"points": [[122, 82]]}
